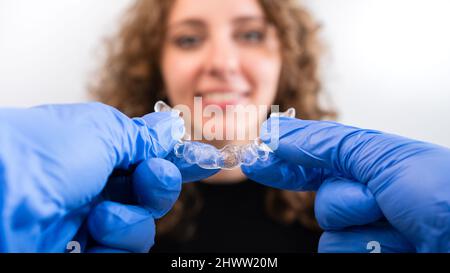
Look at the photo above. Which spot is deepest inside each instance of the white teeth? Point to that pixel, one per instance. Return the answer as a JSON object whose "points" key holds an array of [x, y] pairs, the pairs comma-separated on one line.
{"points": [[221, 96]]}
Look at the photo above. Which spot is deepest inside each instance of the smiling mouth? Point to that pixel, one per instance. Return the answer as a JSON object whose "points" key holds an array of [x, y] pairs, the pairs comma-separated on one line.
{"points": [[224, 98]]}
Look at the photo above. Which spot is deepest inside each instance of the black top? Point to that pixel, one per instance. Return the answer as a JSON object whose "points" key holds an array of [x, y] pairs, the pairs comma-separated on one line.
{"points": [[234, 219]]}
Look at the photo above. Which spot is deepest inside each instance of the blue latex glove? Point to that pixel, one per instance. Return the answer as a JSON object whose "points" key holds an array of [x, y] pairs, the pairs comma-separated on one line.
{"points": [[55, 161], [373, 188]]}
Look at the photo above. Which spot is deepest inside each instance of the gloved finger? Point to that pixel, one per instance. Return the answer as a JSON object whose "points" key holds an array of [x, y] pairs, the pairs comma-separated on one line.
{"points": [[165, 130], [375, 238], [118, 226], [277, 173], [153, 135], [190, 172], [351, 152], [342, 203], [156, 185]]}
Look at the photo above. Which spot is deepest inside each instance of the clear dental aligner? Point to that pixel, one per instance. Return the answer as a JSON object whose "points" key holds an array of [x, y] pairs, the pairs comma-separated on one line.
{"points": [[209, 157]]}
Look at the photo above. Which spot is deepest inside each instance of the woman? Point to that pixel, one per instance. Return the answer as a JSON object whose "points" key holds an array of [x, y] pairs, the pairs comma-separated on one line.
{"points": [[258, 53]]}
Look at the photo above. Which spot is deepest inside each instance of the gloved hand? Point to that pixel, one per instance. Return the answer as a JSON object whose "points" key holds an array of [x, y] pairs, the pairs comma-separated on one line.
{"points": [[55, 161], [374, 189]]}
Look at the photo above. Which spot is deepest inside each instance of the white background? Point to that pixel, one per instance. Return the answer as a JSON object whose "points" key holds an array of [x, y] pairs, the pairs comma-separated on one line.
{"points": [[387, 65]]}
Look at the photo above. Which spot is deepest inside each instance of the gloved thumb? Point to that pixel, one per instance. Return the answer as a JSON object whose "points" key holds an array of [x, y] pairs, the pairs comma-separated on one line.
{"points": [[351, 152], [135, 140]]}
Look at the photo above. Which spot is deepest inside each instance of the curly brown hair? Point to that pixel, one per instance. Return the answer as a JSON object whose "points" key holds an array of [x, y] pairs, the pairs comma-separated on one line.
{"points": [[131, 81]]}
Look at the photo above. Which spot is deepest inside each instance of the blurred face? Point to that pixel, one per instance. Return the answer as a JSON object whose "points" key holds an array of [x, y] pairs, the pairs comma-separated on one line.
{"points": [[226, 53]]}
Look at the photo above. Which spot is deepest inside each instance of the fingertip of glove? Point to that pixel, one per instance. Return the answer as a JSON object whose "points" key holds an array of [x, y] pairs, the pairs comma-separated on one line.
{"points": [[157, 172], [157, 185], [341, 203], [121, 226]]}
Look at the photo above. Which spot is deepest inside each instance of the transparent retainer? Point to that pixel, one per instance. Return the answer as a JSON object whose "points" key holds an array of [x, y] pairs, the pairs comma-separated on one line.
{"points": [[229, 157]]}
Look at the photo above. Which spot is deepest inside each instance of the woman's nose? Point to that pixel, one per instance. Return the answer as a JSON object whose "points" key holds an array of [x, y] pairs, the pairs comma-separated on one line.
{"points": [[222, 59]]}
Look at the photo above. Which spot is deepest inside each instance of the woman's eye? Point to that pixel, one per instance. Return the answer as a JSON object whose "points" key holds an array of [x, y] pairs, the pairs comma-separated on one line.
{"points": [[252, 36], [187, 41]]}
